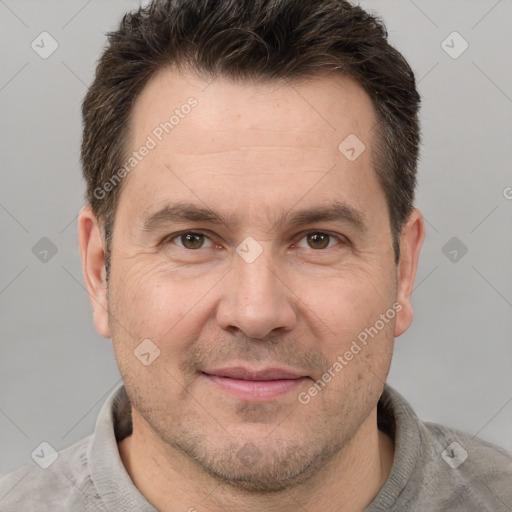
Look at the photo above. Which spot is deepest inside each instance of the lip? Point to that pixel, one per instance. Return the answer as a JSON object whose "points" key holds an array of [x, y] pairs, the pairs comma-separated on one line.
{"points": [[258, 385], [240, 372]]}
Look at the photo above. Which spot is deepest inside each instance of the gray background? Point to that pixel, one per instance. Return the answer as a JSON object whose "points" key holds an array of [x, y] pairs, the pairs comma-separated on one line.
{"points": [[453, 364]]}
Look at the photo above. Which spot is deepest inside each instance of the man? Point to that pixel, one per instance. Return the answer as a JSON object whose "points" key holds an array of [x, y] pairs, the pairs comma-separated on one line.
{"points": [[250, 245]]}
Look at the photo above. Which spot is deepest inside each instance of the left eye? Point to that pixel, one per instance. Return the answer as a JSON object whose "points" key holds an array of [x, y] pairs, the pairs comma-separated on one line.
{"points": [[318, 240]]}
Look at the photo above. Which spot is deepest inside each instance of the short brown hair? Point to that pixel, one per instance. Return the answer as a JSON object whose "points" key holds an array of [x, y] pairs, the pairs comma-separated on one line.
{"points": [[270, 40]]}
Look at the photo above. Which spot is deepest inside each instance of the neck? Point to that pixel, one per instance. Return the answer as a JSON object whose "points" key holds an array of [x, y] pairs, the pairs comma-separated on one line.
{"points": [[170, 481]]}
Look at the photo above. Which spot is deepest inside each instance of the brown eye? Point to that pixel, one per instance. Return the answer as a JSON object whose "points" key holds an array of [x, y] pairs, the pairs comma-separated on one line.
{"points": [[318, 240], [190, 240]]}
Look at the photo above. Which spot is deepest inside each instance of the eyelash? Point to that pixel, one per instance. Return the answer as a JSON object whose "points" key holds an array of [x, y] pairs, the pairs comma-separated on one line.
{"points": [[342, 239]]}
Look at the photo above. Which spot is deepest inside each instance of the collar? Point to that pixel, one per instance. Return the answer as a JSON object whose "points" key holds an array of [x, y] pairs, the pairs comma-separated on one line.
{"points": [[395, 416]]}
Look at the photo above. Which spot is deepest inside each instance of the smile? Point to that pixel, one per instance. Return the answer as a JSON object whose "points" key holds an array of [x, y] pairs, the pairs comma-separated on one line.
{"points": [[255, 385]]}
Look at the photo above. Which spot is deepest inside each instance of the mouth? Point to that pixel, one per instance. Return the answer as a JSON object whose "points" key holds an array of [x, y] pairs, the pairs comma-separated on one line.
{"points": [[258, 385]]}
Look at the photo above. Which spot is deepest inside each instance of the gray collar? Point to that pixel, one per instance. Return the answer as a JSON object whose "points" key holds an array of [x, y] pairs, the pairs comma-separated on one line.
{"points": [[394, 416]]}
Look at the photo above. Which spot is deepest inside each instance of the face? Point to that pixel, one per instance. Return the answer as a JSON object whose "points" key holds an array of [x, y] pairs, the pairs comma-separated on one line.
{"points": [[253, 256]]}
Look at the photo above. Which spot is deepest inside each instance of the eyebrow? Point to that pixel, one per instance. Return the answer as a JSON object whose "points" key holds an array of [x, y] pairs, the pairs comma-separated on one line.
{"points": [[183, 212]]}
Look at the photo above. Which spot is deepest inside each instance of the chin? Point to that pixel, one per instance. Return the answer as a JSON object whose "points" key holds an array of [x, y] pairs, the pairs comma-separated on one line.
{"points": [[258, 469]]}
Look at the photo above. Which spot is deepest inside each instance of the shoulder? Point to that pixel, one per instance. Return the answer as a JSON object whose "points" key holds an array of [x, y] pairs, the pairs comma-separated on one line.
{"points": [[458, 447], [52, 481], [437, 467], [473, 473]]}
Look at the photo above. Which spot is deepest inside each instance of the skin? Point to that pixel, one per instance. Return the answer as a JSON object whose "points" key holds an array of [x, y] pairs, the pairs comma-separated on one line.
{"points": [[253, 152]]}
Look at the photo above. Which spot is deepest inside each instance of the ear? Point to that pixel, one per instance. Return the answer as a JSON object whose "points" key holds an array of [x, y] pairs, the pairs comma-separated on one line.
{"points": [[411, 241], [93, 265]]}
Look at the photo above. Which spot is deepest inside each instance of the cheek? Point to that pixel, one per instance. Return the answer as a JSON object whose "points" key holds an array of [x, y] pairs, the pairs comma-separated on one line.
{"points": [[349, 301], [159, 306], [359, 343], [172, 309]]}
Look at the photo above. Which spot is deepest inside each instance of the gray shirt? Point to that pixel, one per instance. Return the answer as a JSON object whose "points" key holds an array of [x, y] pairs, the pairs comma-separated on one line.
{"points": [[435, 468]]}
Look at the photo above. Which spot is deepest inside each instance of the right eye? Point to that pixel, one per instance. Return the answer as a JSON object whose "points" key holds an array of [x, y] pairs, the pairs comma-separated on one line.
{"points": [[191, 240]]}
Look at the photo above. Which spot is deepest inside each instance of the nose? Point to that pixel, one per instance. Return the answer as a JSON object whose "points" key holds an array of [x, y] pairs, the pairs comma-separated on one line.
{"points": [[257, 299]]}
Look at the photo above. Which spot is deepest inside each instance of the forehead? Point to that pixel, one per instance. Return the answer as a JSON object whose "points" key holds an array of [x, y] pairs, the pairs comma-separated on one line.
{"points": [[209, 139], [320, 111]]}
